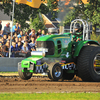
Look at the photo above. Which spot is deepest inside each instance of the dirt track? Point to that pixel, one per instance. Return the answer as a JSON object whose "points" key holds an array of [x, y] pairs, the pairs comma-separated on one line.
{"points": [[37, 85]]}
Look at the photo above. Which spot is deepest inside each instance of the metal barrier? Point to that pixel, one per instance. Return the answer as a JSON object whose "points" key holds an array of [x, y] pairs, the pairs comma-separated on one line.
{"points": [[9, 64]]}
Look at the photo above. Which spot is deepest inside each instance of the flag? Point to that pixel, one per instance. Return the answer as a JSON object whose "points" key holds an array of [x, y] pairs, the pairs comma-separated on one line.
{"points": [[85, 1], [32, 3]]}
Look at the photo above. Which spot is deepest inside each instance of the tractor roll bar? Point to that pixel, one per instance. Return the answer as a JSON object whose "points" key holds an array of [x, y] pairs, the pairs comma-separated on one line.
{"points": [[85, 27]]}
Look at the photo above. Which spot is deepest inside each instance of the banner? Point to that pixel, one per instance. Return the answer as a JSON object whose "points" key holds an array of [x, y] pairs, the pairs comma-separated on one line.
{"points": [[31, 3]]}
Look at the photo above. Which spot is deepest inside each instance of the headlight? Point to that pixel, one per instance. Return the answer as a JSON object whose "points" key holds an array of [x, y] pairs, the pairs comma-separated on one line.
{"points": [[43, 54], [39, 53]]}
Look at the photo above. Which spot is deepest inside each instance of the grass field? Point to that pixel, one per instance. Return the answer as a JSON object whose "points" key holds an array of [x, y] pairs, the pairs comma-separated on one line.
{"points": [[50, 96], [8, 72]]}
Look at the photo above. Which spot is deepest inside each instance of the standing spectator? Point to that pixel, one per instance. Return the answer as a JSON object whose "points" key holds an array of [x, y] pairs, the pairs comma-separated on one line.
{"points": [[27, 35], [19, 27], [32, 44], [38, 33], [25, 50], [43, 33], [16, 28], [6, 49], [6, 30], [33, 34], [30, 31], [0, 25]]}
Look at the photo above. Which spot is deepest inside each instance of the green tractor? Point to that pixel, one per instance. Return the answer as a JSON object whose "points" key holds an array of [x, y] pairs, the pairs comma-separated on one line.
{"points": [[61, 57]]}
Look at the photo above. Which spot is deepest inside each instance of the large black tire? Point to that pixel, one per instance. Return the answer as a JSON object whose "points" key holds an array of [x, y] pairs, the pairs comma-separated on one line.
{"points": [[55, 71], [85, 63], [24, 75]]}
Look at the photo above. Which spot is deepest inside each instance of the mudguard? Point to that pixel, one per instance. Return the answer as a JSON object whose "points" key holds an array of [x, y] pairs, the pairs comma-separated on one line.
{"points": [[81, 44]]}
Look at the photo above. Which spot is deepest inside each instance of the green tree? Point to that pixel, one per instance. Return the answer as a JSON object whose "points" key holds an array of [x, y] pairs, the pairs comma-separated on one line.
{"points": [[37, 23], [24, 12], [89, 12]]}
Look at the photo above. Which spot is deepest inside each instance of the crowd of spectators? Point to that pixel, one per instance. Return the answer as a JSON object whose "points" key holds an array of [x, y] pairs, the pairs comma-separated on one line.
{"points": [[22, 43]]}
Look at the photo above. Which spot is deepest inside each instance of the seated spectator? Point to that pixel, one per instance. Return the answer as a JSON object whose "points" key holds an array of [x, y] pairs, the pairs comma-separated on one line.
{"points": [[25, 50], [9, 37], [32, 44], [24, 38], [3, 43], [20, 35], [16, 28], [28, 44], [19, 46], [20, 39], [6, 30], [6, 49], [16, 40], [14, 50], [1, 50], [15, 34], [5, 39], [0, 25], [1, 40], [1, 33]]}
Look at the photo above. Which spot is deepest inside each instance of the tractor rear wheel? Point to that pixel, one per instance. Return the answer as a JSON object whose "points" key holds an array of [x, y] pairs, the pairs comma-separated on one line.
{"points": [[55, 71], [88, 63]]}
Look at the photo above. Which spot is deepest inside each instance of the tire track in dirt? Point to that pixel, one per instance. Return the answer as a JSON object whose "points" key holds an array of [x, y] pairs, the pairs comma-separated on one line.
{"points": [[14, 84]]}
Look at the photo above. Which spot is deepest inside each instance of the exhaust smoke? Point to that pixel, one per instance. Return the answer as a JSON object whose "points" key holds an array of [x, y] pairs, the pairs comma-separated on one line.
{"points": [[65, 6]]}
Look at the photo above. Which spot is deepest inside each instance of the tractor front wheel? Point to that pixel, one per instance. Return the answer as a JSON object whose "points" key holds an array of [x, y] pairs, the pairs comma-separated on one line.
{"points": [[55, 71], [24, 75]]}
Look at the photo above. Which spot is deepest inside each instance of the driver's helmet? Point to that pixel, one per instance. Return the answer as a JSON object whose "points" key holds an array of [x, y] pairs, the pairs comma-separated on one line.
{"points": [[78, 28]]}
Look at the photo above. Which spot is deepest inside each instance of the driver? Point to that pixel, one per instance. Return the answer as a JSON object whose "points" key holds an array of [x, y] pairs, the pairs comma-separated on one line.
{"points": [[78, 34]]}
